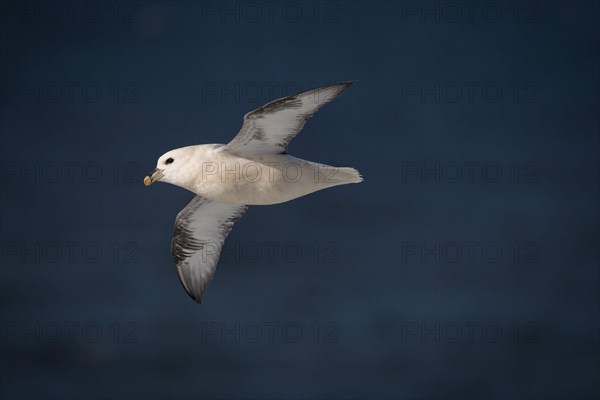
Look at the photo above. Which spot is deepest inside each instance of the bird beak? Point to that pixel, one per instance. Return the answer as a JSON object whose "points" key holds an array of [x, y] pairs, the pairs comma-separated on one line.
{"points": [[153, 177]]}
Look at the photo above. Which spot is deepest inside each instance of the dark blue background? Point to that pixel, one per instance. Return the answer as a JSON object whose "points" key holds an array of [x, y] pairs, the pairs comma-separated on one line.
{"points": [[356, 314]]}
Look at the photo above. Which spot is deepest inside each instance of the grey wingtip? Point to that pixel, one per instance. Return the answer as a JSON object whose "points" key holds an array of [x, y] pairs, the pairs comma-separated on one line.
{"points": [[345, 84], [348, 83], [342, 86], [197, 298], [339, 87]]}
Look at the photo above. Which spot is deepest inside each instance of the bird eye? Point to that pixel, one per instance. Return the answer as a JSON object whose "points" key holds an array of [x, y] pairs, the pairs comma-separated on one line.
{"points": [[169, 161]]}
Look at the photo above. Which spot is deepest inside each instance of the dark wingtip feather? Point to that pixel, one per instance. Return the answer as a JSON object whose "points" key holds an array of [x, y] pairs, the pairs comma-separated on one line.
{"points": [[345, 84]]}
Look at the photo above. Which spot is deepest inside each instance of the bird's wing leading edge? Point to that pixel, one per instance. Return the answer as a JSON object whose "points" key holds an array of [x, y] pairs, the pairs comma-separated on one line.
{"points": [[200, 230], [269, 129]]}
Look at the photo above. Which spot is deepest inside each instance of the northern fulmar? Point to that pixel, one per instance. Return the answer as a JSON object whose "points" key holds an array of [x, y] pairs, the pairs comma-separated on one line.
{"points": [[253, 169]]}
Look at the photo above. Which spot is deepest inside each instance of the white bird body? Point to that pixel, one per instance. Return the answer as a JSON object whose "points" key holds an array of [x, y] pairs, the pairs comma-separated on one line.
{"points": [[213, 172], [253, 169]]}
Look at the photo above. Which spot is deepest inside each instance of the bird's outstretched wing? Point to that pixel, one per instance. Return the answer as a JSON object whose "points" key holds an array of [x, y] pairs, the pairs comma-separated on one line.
{"points": [[269, 129], [200, 230]]}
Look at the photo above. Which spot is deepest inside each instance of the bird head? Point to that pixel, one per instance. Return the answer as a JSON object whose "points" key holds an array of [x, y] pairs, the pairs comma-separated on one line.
{"points": [[173, 167]]}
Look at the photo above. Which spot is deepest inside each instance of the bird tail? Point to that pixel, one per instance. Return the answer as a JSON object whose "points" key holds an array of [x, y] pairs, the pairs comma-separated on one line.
{"points": [[347, 175]]}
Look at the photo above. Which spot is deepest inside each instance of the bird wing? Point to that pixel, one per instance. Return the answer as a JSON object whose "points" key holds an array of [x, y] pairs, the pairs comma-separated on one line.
{"points": [[200, 230], [269, 129]]}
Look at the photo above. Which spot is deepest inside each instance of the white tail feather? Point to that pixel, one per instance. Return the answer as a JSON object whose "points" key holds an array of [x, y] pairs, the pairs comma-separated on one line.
{"points": [[347, 175]]}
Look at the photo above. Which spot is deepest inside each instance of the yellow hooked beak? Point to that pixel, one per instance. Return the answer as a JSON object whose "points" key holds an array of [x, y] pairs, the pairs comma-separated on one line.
{"points": [[153, 177]]}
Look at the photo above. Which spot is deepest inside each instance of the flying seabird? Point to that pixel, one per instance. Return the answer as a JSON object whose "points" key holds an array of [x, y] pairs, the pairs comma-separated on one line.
{"points": [[253, 169]]}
